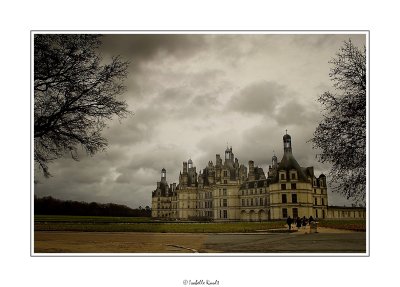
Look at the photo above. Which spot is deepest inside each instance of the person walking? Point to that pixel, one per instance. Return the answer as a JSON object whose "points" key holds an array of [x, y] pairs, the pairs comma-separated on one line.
{"points": [[311, 219], [298, 223], [304, 222], [289, 222]]}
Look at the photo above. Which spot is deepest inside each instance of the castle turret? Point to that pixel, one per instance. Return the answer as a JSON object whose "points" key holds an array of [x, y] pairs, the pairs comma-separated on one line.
{"points": [[287, 143], [274, 161], [163, 175], [227, 153], [218, 160], [251, 171]]}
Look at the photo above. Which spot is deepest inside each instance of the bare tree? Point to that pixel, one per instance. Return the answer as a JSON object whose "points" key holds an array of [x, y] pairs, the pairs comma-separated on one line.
{"points": [[341, 135], [74, 93]]}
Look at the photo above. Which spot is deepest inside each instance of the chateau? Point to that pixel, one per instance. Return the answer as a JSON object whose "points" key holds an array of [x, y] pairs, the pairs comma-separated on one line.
{"points": [[229, 191]]}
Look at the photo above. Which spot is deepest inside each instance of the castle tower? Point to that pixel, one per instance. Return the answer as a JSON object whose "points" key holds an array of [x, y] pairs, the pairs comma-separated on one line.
{"points": [[190, 163], [228, 153], [185, 167], [274, 161], [163, 175], [252, 175], [287, 143]]}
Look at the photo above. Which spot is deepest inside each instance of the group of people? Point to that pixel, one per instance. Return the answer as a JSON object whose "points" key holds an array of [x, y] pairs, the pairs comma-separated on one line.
{"points": [[299, 221]]}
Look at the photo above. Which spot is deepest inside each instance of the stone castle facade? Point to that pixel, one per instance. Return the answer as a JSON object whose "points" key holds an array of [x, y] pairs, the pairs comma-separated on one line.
{"points": [[229, 191]]}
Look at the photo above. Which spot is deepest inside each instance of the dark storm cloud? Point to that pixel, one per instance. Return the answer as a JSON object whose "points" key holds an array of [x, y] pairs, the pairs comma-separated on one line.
{"points": [[143, 47], [325, 41]]}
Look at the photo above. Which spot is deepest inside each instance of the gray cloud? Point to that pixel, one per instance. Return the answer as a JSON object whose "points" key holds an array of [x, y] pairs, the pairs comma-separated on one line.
{"points": [[260, 97]]}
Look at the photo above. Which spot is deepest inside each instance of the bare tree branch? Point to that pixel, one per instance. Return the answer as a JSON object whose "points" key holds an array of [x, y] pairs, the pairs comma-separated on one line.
{"points": [[73, 96], [341, 135]]}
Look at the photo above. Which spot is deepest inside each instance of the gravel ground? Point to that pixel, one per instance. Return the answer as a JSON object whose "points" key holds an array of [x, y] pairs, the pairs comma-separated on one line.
{"points": [[325, 241]]}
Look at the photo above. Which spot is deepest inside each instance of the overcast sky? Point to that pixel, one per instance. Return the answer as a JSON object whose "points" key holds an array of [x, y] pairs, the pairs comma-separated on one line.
{"points": [[193, 94]]}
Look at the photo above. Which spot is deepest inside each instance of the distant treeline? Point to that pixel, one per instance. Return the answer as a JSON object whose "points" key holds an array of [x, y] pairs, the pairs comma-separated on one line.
{"points": [[52, 206]]}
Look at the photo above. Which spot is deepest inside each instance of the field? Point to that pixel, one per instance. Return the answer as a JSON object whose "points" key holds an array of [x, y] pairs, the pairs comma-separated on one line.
{"points": [[145, 224]]}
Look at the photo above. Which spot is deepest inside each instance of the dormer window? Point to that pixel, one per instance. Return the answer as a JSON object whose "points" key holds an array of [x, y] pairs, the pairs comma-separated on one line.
{"points": [[282, 176]]}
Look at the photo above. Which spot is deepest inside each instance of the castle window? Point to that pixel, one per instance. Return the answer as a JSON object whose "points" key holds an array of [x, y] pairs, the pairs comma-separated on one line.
{"points": [[322, 201], [283, 186], [295, 213], [225, 202], [293, 186], [224, 191], [284, 198], [294, 198], [261, 201], [251, 202], [284, 212], [225, 181], [242, 192], [225, 173], [316, 202], [282, 176], [247, 201], [225, 213], [293, 176], [243, 202], [256, 201]]}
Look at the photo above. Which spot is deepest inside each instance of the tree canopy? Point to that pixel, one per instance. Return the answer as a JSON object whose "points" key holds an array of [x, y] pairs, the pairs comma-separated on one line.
{"points": [[74, 94], [341, 135]]}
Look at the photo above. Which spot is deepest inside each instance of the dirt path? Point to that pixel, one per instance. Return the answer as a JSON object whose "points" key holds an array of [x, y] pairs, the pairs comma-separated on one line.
{"points": [[325, 241], [116, 242]]}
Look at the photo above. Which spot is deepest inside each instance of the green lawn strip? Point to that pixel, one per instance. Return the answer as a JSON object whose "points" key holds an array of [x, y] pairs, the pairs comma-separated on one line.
{"points": [[145, 224], [89, 219], [162, 227], [354, 225]]}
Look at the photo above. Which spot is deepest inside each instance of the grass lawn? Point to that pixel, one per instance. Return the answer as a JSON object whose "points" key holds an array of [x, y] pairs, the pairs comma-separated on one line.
{"points": [[146, 224]]}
